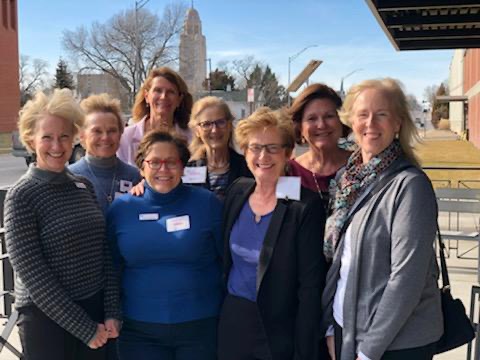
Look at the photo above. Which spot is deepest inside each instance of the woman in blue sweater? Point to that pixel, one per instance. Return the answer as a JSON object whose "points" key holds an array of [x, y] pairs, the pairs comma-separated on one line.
{"points": [[100, 136], [166, 244]]}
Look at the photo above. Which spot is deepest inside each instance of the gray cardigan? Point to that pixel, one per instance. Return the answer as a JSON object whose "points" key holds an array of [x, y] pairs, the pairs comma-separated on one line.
{"points": [[392, 300]]}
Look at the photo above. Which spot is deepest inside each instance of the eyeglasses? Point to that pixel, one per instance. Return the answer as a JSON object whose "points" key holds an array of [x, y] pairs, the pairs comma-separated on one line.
{"points": [[269, 148], [170, 164], [208, 125]]}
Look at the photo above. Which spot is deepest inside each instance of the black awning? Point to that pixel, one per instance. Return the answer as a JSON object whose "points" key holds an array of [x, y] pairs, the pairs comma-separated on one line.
{"points": [[429, 24]]}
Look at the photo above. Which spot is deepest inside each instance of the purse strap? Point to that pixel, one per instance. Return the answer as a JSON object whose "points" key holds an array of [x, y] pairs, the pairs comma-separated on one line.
{"points": [[443, 262]]}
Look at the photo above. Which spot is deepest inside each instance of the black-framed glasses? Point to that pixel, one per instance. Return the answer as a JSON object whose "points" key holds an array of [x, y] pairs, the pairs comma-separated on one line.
{"points": [[170, 164], [208, 125], [269, 148]]}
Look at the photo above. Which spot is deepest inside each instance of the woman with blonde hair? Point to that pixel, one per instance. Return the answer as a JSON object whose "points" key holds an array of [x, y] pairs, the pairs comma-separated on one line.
{"points": [[382, 299], [211, 123], [100, 136], [162, 103], [66, 291], [273, 261]]}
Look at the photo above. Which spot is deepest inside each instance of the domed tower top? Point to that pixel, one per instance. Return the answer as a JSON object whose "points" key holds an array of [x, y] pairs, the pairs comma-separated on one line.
{"points": [[192, 24]]}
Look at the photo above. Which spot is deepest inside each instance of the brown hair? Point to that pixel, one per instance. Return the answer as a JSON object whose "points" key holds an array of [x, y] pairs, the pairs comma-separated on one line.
{"points": [[392, 89], [182, 113], [265, 118], [105, 104], [197, 147], [158, 136], [313, 92]]}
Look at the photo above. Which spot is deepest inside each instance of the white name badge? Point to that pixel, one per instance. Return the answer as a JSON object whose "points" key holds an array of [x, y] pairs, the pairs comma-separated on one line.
{"points": [[148, 217], [195, 175], [288, 187], [80, 185], [178, 223], [125, 186]]}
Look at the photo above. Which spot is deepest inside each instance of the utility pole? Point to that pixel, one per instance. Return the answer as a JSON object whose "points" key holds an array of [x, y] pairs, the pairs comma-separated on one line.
{"points": [[139, 4], [290, 59]]}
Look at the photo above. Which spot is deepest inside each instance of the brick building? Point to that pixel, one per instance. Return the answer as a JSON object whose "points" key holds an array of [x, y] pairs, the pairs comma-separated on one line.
{"points": [[9, 88], [471, 88]]}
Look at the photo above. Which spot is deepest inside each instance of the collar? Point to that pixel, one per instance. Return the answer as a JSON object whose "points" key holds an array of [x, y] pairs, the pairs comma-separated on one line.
{"points": [[163, 199], [48, 176], [104, 163]]}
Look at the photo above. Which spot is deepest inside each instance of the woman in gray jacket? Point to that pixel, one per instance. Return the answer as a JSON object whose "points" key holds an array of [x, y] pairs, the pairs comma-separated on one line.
{"points": [[382, 299]]}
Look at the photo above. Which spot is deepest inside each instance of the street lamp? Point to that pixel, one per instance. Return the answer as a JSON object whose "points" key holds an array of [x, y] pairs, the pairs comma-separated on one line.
{"points": [[139, 4], [290, 59], [346, 76]]}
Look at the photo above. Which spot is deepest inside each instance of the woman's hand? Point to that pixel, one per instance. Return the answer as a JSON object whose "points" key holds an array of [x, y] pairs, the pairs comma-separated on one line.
{"points": [[331, 346], [138, 189], [113, 328], [100, 338]]}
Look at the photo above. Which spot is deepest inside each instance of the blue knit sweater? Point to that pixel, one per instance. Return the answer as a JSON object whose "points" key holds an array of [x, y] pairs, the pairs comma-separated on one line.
{"points": [[168, 277], [108, 176]]}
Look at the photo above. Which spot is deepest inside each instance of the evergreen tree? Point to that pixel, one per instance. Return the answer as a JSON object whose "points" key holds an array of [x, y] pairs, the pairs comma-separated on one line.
{"points": [[219, 80], [63, 77]]}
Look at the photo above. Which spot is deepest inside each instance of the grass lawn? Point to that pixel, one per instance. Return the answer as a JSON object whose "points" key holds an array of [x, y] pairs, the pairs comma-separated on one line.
{"points": [[450, 153]]}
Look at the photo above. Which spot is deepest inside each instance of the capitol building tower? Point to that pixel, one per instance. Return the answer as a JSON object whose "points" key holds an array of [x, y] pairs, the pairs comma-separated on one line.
{"points": [[193, 52]]}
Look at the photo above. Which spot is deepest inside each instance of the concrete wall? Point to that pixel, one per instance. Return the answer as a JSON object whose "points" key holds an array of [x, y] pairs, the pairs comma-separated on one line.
{"points": [[455, 85], [471, 88], [9, 88]]}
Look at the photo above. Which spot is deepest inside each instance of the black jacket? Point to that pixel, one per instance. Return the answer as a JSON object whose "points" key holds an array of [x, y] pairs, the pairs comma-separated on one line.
{"points": [[291, 270]]}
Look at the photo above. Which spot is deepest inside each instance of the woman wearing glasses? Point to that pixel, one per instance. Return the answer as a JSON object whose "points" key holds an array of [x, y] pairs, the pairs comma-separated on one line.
{"points": [[162, 103], [166, 248], [273, 260], [211, 146]]}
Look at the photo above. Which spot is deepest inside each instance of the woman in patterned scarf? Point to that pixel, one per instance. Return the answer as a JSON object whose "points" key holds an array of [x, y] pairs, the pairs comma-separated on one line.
{"points": [[382, 299]]}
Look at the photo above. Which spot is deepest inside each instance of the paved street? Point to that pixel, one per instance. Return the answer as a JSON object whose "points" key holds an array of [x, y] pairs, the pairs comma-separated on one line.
{"points": [[11, 168]]}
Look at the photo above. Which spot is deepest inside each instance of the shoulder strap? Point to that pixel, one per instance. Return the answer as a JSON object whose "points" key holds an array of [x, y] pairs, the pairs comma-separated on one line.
{"points": [[375, 190], [443, 262]]}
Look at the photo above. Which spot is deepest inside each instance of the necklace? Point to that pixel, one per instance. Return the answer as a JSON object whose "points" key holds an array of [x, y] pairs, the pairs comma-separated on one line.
{"points": [[316, 184], [108, 196]]}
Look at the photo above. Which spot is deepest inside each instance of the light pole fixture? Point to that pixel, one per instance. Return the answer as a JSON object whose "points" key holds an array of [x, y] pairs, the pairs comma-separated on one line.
{"points": [[346, 76], [290, 59]]}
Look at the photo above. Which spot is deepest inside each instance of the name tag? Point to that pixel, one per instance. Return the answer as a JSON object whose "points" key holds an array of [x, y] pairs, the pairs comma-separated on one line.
{"points": [[80, 185], [125, 186], [288, 187], [178, 223], [195, 175], [148, 217]]}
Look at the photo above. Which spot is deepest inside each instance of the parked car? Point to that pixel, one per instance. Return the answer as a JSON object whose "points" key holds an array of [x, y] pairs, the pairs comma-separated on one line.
{"points": [[19, 150]]}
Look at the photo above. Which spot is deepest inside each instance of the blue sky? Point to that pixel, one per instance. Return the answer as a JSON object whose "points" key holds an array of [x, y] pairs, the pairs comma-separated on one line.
{"points": [[346, 33]]}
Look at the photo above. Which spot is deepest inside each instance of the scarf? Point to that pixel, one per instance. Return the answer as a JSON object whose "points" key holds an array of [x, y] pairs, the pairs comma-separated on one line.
{"points": [[353, 183]]}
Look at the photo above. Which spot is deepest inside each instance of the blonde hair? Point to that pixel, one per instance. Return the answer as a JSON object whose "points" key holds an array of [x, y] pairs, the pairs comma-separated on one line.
{"points": [[182, 113], [392, 89], [105, 104], [264, 118], [197, 146], [60, 103]]}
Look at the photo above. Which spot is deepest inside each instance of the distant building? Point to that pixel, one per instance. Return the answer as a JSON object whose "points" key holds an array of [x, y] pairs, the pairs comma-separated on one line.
{"points": [[88, 84], [9, 86], [455, 88], [237, 101], [193, 53]]}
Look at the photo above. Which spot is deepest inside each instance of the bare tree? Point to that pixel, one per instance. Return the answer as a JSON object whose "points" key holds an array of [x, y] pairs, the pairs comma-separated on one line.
{"points": [[128, 45], [244, 68], [32, 77]]}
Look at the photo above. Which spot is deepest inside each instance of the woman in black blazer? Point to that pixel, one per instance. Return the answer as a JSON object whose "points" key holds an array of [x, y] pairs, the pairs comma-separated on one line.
{"points": [[273, 262]]}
